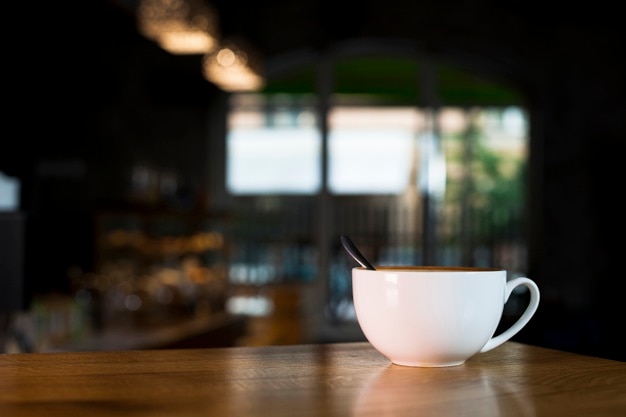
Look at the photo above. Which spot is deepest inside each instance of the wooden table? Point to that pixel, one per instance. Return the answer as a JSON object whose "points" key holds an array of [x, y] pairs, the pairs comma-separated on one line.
{"points": [[344, 379]]}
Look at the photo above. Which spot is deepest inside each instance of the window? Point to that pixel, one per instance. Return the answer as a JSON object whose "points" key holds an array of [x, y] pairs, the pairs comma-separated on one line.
{"points": [[410, 184], [9, 193], [371, 149], [273, 147]]}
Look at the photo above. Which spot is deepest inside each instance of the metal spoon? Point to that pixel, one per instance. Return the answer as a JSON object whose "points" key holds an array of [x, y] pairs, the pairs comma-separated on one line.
{"points": [[355, 253]]}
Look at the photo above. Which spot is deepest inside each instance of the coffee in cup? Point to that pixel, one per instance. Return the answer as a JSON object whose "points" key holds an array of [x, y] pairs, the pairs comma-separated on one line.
{"points": [[436, 316]]}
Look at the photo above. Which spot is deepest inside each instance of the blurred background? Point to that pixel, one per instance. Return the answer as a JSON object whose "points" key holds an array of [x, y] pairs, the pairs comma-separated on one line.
{"points": [[177, 173]]}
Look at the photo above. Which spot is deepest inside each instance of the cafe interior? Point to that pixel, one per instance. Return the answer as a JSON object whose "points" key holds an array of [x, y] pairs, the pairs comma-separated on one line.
{"points": [[179, 172]]}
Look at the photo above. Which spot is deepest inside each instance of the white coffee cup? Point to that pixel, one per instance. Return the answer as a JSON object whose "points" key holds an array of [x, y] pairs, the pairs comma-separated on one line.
{"points": [[436, 316]]}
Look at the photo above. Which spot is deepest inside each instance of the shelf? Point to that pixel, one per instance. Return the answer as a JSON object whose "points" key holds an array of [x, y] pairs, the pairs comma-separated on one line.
{"points": [[215, 330]]}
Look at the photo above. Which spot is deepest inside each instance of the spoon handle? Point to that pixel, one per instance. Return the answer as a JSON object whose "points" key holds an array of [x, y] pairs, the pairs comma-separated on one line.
{"points": [[355, 253]]}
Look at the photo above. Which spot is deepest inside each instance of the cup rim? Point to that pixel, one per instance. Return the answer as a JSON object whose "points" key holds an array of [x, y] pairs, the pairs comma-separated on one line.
{"points": [[429, 268]]}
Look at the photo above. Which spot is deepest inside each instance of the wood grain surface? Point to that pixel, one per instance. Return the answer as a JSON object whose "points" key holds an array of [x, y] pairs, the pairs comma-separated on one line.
{"points": [[345, 379]]}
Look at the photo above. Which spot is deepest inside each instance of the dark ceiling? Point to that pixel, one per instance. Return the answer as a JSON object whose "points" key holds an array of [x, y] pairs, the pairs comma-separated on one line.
{"points": [[518, 44], [276, 27], [513, 42]]}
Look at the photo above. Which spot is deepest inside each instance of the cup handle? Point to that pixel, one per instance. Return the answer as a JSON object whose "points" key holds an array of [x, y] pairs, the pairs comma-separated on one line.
{"points": [[531, 308]]}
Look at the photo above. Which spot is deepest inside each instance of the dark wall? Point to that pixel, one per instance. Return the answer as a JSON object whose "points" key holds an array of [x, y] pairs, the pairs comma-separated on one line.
{"points": [[576, 224], [96, 100]]}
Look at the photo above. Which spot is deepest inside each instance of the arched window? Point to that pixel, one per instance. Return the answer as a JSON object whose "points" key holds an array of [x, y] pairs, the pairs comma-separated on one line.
{"points": [[417, 160]]}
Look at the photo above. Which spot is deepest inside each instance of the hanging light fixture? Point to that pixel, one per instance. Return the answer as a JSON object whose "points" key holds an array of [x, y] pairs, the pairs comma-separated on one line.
{"points": [[179, 26], [232, 70]]}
